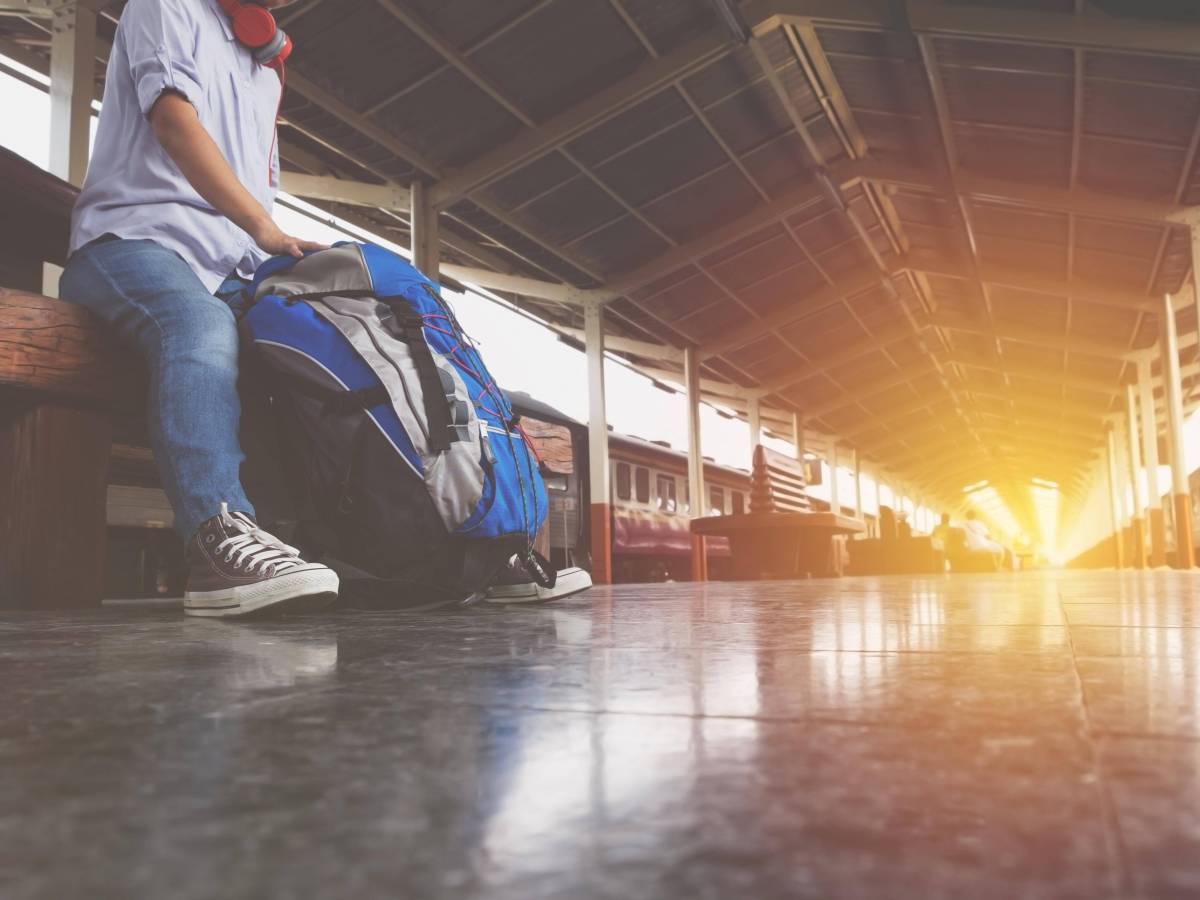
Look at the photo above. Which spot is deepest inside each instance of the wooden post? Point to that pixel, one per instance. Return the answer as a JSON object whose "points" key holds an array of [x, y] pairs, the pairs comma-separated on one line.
{"points": [[598, 476], [1137, 521], [1154, 509], [1173, 389], [72, 87], [1114, 507], [696, 486]]}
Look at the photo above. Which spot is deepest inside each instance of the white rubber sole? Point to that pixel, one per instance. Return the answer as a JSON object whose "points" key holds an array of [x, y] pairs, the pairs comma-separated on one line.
{"points": [[311, 588], [570, 581]]}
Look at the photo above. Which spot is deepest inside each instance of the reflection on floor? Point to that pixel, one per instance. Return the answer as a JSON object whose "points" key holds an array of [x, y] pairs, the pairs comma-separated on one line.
{"points": [[971, 736]]}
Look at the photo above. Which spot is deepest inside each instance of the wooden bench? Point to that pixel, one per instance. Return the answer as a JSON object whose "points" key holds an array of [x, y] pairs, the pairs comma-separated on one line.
{"points": [[781, 536], [61, 381], [62, 386]]}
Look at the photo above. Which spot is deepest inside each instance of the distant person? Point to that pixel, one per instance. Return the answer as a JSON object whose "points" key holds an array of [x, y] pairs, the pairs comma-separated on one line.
{"points": [[941, 531], [979, 540]]}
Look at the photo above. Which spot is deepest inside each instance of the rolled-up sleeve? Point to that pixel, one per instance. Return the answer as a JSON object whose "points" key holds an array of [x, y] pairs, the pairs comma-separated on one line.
{"points": [[160, 42]]}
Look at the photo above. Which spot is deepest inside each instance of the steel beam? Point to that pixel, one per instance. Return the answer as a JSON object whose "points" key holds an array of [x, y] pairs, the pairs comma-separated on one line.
{"points": [[1154, 510], [600, 517], [658, 352], [72, 86], [696, 486], [354, 193], [650, 78], [1181, 494], [426, 232], [1134, 455], [1033, 336], [1093, 29], [1114, 500]]}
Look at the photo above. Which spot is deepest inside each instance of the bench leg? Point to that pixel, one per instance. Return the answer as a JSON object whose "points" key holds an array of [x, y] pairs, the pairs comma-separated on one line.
{"points": [[53, 483]]}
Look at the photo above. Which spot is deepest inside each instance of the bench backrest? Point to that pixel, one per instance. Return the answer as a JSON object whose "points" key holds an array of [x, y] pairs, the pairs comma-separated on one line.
{"points": [[777, 483]]}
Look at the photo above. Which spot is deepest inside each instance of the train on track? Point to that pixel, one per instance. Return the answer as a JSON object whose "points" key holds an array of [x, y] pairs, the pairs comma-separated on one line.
{"points": [[650, 499]]}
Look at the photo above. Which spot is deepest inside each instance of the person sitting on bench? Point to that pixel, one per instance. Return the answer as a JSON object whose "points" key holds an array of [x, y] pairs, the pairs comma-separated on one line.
{"points": [[175, 210], [979, 540]]}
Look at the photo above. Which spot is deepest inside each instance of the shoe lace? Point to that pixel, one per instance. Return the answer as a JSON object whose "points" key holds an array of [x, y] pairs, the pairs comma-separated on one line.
{"points": [[258, 549]]}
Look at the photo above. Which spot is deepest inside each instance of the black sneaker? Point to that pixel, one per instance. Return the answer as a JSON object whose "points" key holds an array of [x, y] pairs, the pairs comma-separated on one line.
{"points": [[516, 585], [236, 568]]}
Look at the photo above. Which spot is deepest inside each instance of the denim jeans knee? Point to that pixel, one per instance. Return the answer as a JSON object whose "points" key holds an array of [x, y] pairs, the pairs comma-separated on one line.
{"points": [[188, 338]]}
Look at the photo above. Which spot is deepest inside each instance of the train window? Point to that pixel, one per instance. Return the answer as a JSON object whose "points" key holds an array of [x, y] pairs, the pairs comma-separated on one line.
{"points": [[716, 500], [555, 482], [623, 492], [687, 497], [739, 503], [666, 493], [641, 483]]}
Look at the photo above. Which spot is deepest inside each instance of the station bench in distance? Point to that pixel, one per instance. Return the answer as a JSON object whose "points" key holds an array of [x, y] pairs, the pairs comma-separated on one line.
{"points": [[781, 536]]}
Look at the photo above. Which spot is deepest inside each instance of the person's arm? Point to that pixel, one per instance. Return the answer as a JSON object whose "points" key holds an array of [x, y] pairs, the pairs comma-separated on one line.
{"points": [[178, 129]]}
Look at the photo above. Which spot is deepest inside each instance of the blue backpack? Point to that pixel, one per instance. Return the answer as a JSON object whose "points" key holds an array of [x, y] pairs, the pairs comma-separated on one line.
{"points": [[412, 476]]}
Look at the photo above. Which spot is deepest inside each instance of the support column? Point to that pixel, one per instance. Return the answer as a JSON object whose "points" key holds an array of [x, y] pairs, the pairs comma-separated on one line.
{"points": [[754, 419], [426, 234], [1180, 496], [1124, 501], [598, 469], [858, 497], [1114, 506], [72, 86], [835, 503], [1138, 521], [696, 486], [1154, 511], [798, 435]]}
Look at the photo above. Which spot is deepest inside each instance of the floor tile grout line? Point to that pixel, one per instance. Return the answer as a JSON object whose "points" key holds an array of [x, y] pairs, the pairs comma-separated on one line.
{"points": [[1112, 824]]}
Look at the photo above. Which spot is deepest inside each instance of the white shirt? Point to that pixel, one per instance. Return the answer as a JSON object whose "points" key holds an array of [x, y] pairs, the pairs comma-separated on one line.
{"points": [[133, 189]]}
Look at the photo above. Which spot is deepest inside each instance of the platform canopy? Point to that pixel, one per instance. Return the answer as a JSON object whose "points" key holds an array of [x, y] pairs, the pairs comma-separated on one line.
{"points": [[940, 230]]}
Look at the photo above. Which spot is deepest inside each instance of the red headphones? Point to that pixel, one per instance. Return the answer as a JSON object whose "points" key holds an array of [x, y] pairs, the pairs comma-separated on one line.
{"points": [[255, 28]]}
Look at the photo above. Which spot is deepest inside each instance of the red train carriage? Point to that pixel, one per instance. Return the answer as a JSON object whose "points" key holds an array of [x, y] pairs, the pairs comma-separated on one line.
{"points": [[650, 498]]}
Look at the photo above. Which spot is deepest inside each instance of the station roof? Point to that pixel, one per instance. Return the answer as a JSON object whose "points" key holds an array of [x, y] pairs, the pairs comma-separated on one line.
{"points": [[938, 229]]}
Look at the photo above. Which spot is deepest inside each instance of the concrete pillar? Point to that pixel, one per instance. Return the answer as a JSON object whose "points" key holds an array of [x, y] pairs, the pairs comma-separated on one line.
{"points": [[1138, 520], [798, 435], [72, 86], [426, 234], [598, 469], [1180, 496], [696, 486], [1154, 511], [1114, 505], [754, 419]]}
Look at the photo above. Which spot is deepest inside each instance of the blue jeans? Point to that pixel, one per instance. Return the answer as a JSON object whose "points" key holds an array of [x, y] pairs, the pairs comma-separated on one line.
{"points": [[188, 338]]}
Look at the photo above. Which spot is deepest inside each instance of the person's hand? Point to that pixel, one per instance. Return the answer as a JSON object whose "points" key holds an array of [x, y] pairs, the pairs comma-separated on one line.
{"points": [[272, 239]]}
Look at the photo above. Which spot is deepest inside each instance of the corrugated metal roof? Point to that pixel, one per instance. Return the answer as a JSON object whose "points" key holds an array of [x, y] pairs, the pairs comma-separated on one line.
{"points": [[998, 306]]}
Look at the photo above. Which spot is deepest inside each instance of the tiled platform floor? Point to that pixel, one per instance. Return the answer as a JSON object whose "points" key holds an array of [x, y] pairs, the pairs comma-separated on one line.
{"points": [[973, 736]]}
